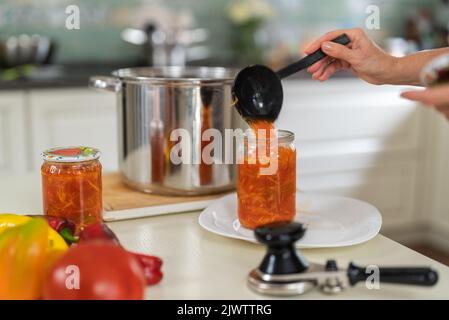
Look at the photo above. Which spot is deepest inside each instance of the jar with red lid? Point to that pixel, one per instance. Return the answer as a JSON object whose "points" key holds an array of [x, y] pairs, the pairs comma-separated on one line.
{"points": [[72, 185]]}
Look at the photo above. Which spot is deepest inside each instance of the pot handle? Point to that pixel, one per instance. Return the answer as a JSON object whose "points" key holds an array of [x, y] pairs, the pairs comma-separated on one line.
{"points": [[105, 83]]}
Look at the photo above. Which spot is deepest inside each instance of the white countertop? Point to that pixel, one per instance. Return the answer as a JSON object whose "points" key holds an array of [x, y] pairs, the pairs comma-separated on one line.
{"points": [[201, 265]]}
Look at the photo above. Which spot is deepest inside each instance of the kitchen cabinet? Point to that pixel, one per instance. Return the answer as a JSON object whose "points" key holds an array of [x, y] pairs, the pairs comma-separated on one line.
{"points": [[434, 209], [13, 151], [73, 117], [34, 120]]}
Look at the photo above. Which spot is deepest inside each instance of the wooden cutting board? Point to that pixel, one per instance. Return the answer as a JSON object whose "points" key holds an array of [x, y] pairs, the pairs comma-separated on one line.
{"points": [[121, 202]]}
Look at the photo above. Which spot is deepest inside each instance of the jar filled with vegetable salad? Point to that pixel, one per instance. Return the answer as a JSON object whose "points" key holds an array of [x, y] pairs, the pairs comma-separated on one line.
{"points": [[72, 184], [266, 186]]}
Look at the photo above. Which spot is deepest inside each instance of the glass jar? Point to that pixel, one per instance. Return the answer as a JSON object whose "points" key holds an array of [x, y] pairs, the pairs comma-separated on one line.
{"points": [[71, 184], [267, 195]]}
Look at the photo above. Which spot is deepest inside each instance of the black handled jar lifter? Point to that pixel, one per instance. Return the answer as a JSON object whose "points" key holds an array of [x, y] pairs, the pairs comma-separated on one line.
{"points": [[285, 272]]}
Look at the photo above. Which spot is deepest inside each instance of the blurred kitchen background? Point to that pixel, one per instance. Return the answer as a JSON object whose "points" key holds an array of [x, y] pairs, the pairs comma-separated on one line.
{"points": [[353, 139], [222, 32]]}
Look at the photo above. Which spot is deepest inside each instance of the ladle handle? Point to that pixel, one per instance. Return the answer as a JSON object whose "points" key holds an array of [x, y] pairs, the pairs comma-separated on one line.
{"points": [[310, 59], [419, 276]]}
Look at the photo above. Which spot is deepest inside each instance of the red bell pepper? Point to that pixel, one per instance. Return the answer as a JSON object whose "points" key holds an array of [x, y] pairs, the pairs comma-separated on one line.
{"points": [[150, 264], [64, 227]]}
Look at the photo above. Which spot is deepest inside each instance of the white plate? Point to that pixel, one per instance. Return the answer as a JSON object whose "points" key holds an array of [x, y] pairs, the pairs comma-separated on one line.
{"points": [[331, 221]]}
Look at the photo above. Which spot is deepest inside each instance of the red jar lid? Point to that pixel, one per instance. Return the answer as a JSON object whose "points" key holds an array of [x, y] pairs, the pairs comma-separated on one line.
{"points": [[71, 154]]}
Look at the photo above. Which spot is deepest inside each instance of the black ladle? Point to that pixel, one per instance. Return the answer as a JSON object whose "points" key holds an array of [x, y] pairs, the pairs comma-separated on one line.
{"points": [[258, 89]]}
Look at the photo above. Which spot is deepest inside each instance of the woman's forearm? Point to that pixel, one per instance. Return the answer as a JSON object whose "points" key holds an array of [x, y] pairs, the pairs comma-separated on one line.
{"points": [[406, 70]]}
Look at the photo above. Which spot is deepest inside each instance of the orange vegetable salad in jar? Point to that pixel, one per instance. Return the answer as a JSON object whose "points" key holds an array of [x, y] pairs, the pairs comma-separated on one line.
{"points": [[266, 186], [71, 184]]}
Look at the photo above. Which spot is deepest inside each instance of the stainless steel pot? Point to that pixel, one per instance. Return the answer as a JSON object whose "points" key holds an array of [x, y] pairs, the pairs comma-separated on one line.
{"points": [[152, 102]]}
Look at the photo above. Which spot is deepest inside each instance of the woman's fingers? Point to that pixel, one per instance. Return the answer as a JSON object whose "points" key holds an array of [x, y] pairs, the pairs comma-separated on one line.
{"points": [[325, 68], [315, 45], [415, 95], [320, 69], [444, 109], [437, 97], [330, 70], [430, 96], [338, 51], [314, 67]]}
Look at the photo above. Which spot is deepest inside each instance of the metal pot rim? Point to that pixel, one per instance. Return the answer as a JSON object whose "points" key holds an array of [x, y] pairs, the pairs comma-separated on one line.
{"points": [[176, 74]]}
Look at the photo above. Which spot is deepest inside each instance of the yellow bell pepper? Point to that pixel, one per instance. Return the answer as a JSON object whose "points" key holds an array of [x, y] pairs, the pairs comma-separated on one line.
{"points": [[23, 253], [8, 220]]}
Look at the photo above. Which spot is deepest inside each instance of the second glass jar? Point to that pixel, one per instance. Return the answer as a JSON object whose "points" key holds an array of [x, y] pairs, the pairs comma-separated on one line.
{"points": [[72, 184]]}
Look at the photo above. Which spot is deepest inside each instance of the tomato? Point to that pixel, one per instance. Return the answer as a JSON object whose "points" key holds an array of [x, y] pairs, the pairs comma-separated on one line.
{"points": [[98, 231], [96, 270]]}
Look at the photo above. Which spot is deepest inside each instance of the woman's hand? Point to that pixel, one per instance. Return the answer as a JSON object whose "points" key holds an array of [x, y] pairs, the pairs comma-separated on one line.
{"points": [[362, 56], [437, 97]]}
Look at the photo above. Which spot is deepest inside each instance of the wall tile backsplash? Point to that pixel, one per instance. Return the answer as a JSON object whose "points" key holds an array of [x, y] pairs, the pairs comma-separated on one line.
{"points": [[101, 22]]}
